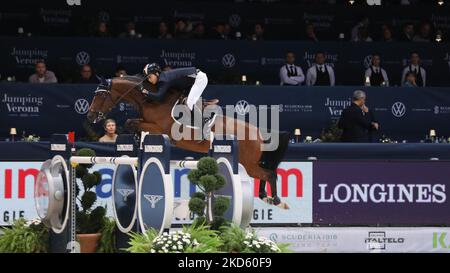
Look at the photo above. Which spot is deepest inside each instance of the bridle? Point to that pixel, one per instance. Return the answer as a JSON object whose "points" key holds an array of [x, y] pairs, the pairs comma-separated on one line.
{"points": [[102, 89]]}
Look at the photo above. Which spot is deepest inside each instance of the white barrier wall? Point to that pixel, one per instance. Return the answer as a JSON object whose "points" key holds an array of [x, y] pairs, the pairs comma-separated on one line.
{"points": [[361, 239]]}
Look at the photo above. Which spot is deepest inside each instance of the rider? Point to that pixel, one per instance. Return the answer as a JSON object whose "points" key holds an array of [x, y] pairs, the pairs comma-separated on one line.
{"points": [[180, 78]]}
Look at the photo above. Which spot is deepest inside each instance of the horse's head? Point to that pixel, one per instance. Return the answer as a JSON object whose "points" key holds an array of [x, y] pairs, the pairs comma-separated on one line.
{"points": [[104, 100]]}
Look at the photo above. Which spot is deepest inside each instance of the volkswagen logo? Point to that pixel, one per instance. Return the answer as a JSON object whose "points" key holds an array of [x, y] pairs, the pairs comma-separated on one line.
{"points": [[228, 60], [82, 58], [368, 61], [398, 109], [81, 106], [242, 107], [103, 16], [234, 20]]}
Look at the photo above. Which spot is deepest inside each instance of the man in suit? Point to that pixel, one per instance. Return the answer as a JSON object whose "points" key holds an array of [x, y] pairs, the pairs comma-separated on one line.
{"points": [[376, 75], [290, 74], [356, 121], [415, 67], [320, 74]]}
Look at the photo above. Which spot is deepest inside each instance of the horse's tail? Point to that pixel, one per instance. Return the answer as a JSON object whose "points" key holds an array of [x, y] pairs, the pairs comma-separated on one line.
{"points": [[271, 159]]}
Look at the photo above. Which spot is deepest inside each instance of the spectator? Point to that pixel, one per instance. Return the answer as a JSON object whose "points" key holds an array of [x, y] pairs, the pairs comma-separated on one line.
{"points": [[101, 30], [199, 31], [408, 33], [310, 33], [290, 74], [356, 30], [219, 32], [375, 73], [363, 35], [258, 33], [130, 31], [120, 71], [424, 34], [42, 75], [164, 31], [227, 30], [87, 75], [110, 131], [182, 29], [410, 80], [320, 74], [386, 34], [415, 67], [356, 121]]}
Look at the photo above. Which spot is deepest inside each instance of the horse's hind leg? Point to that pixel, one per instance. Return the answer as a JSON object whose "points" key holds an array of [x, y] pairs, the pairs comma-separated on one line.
{"points": [[265, 175]]}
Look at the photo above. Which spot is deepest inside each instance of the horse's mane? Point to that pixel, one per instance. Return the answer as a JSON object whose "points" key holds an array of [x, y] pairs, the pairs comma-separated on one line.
{"points": [[137, 79]]}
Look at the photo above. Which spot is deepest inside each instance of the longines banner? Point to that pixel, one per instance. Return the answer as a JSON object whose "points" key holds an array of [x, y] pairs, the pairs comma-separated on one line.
{"points": [[17, 181], [403, 113], [360, 193], [361, 239]]}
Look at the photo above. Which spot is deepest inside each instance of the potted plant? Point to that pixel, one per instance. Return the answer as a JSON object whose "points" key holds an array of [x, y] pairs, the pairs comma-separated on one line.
{"points": [[25, 237], [90, 219], [208, 180]]}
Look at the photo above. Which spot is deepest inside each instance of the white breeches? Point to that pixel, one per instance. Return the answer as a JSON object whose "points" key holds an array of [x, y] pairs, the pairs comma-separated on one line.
{"points": [[201, 80]]}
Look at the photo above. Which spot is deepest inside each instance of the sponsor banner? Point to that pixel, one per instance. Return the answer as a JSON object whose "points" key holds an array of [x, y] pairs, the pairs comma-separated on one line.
{"points": [[404, 113], [361, 239], [295, 185], [17, 181], [221, 60], [355, 192]]}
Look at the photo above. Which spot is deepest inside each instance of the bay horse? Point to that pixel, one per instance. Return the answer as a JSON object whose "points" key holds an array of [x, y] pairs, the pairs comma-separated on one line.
{"points": [[156, 118]]}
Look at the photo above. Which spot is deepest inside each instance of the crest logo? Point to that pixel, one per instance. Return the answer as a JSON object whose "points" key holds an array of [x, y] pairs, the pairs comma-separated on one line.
{"points": [[153, 199], [125, 193]]}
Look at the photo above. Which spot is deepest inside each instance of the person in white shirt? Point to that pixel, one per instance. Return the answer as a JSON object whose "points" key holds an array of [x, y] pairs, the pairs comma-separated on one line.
{"points": [[376, 75], [414, 66], [290, 74], [42, 75], [320, 74]]}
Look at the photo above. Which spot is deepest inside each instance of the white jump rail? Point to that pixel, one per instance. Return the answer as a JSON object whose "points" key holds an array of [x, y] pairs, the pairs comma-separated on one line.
{"points": [[103, 160], [190, 164]]}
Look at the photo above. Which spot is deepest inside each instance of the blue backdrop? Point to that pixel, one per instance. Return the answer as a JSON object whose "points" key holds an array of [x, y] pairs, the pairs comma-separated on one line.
{"points": [[224, 61], [404, 113]]}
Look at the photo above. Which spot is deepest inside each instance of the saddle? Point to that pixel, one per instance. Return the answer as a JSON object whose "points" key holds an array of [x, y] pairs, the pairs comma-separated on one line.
{"points": [[205, 103]]}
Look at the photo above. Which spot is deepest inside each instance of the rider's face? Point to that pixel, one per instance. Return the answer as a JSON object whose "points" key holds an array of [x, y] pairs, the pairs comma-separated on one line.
{"points": [[153, 78]]}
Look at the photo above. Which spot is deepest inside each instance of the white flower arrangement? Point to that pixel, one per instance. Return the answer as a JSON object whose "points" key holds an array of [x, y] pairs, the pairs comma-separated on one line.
{"points": [[172, 242], [31, 138], [33, 222], [261, 244]]}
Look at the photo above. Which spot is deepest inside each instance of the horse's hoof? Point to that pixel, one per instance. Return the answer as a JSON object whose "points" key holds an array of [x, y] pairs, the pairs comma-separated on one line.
{"points": [[283, 205]]}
